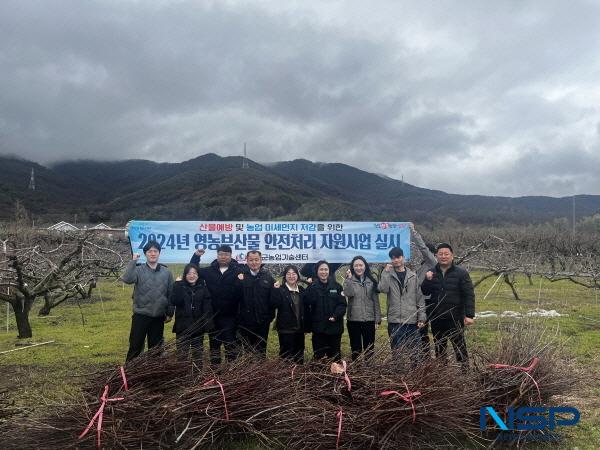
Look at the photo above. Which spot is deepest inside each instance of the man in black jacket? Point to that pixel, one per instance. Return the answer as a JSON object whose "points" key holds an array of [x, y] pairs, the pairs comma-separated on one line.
{"points": [[256, 311], [451, 305], [226, 290]]}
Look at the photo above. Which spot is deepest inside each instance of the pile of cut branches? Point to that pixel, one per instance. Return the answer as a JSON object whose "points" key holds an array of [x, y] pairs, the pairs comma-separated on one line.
{"points": [[386, 401]]}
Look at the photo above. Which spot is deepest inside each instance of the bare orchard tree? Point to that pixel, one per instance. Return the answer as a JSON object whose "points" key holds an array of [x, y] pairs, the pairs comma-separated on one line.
{"points": [[549, 250], [52, 266]]}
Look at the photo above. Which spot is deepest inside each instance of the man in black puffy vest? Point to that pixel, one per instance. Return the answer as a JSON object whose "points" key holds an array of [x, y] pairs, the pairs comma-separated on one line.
{"points": [[451, 306]]}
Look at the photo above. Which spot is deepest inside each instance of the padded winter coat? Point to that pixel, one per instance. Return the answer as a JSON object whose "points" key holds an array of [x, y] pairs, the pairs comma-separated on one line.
{"points": [[325, 301], [193, 307], [452, 294], [363, 300], [152, 288], [405, 304]]}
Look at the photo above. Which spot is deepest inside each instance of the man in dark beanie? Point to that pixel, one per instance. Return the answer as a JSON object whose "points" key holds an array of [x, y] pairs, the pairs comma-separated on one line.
{"points": [[451, 306], [153, 283], [226, 291]]}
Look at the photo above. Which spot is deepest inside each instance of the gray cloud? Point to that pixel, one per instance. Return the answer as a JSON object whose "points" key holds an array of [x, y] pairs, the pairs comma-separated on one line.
{"points": [[501, 97]]}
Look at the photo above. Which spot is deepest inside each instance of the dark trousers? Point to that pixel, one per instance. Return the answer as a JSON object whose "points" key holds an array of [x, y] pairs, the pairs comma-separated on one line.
{"points": [[447, 329], [403, 335], [223, 335], [291, 346], [254, 338], [362, 337], [327, 346], [187, 344], [142, 327]]}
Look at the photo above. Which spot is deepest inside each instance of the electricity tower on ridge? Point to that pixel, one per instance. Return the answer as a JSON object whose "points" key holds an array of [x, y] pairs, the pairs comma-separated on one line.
{"points": [[245, 164], [32, 180]]}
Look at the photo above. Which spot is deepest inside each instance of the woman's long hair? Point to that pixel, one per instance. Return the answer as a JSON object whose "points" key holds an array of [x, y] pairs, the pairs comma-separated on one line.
{"points": [[368, 273]]}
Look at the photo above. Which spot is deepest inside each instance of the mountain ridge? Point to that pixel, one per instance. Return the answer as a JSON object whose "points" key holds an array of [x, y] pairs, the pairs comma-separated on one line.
{"points": [[211, 187]]}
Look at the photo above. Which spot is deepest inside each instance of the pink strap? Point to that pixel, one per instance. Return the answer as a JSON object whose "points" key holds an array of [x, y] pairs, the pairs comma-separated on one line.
{"points": [[213, 381], [340, 416], [125, 387], [525, 370], [346, 377], [408, 397], [99, 415], [534, 363]]}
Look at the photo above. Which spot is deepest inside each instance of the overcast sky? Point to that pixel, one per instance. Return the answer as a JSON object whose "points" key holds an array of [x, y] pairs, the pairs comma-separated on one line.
{"points": [[494, 98]]}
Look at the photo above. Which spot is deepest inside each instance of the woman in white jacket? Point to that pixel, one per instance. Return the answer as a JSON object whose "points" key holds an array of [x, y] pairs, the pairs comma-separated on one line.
{"points": [[364, 310]]}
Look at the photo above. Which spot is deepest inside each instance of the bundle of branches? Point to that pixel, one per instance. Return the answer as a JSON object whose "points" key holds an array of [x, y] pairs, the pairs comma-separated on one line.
{"points": [[381, 402], [394, 402], [387, 400], [526, 367]]}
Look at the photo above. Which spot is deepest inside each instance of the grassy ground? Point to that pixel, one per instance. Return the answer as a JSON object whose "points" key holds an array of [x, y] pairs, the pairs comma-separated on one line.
{"points": [[95, 334]]}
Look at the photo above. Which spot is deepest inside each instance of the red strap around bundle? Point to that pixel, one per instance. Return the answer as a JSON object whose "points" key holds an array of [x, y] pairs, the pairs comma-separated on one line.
{"points": [[125, 387], [213, 381], [408, 397], [99, 415], [340, 416], [529, 368], [346, 377], [525, 370]]}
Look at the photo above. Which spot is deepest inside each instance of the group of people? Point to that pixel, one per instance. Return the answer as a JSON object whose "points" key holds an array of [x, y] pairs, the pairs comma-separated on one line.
{"points": [[235, 304]]}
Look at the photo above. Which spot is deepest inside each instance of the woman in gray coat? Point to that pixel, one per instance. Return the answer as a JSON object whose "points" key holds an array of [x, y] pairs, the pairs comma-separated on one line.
{"points": [[364, 311]]}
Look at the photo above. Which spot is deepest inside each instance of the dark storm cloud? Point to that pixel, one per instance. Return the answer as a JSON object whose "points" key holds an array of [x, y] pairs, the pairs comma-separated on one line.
{"points": [[485, 91]]}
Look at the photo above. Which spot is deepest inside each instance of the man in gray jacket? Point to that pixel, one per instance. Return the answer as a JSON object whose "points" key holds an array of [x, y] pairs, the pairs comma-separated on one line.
{"points": [[405, 304], [153, 284]]}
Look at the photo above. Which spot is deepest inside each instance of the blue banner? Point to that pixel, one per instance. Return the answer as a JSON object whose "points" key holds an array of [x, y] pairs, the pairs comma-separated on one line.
{"points": [[279, 242]]}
